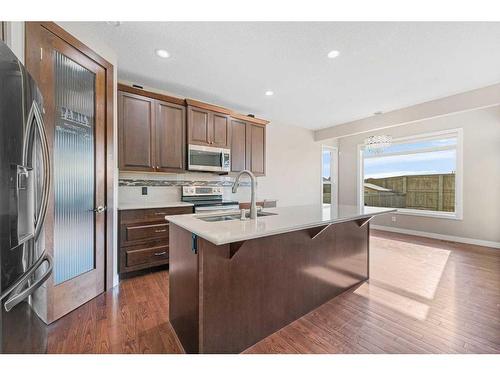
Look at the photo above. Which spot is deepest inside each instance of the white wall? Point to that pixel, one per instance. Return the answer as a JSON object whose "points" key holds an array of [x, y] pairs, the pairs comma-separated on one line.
{"points": [[481, 174], [14, 38], [293, 166]]}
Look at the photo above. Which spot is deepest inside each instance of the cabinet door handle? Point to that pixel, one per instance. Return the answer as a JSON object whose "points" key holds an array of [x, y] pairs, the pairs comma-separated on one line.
{"points": [[160, 230], [160, 254]]}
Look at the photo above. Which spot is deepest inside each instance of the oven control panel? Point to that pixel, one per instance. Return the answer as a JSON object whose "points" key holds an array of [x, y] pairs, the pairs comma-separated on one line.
{"points": [[193, 191]]}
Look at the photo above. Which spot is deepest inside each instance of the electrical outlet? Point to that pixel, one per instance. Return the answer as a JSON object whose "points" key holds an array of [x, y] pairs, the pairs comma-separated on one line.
{"points": [[393, 219], [144, 190]]}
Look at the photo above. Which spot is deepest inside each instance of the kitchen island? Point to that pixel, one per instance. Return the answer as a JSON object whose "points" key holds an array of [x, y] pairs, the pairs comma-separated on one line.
{"points": [[233, 282]]}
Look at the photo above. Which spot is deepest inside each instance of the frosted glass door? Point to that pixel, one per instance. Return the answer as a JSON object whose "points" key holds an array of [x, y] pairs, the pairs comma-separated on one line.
{"points": [[74, 170]]}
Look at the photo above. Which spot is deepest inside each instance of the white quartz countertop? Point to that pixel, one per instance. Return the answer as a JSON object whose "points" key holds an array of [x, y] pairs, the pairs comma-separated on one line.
{"points": [[288, 219], [141, 205]]}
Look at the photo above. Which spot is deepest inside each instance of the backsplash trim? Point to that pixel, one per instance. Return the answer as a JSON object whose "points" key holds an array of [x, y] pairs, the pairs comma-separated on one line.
{"points": [[150, 182]]}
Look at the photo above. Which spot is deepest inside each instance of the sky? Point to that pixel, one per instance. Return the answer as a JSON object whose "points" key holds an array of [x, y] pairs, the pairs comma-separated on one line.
{"points": [[435, 162]]}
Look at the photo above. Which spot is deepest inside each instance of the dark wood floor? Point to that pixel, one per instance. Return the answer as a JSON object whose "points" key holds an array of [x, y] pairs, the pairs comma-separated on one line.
{"points": [[424, 296]]}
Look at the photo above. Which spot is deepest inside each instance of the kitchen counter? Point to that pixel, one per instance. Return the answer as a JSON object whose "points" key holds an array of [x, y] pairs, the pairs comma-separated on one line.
{"points": [[146, 205], [232, 283], [288, 219]]}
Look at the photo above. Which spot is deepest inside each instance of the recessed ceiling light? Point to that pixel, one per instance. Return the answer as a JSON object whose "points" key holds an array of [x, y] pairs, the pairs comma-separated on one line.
{"points": [[333, 54], [269, 93], [162, 53]]}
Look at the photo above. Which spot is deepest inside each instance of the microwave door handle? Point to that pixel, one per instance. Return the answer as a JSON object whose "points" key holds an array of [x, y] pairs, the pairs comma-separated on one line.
{"points": [[18, 297], [222, 159], [35, 117]]}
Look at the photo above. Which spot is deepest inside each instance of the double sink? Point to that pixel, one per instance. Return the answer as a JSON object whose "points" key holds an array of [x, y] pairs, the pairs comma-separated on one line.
{"points": [[229, 217]]}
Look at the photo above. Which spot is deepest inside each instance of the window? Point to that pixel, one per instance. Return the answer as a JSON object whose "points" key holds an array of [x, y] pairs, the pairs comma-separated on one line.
{"points": [[329, 175], [419, 175]]}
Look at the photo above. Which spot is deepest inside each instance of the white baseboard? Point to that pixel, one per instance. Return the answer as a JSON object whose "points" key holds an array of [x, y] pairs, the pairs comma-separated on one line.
{"points": [[438, 236]]}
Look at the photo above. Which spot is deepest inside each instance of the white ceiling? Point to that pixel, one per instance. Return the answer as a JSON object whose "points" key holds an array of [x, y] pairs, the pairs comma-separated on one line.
{"points": [[381, 67]]}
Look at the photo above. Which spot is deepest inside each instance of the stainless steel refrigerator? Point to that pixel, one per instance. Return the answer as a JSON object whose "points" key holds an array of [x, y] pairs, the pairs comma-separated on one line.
{"points": [[24, 191]]}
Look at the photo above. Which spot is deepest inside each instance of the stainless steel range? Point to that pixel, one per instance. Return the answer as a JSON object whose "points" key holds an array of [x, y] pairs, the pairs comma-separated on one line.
{"points": [[207, 198]]}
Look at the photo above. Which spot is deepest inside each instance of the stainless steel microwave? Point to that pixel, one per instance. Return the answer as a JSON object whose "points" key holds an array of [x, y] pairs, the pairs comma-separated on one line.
{"points": [[209, 159]]}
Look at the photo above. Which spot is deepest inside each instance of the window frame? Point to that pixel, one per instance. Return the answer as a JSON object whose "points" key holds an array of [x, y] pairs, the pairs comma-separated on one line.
{"points": [[334, 168], [458, 133]]}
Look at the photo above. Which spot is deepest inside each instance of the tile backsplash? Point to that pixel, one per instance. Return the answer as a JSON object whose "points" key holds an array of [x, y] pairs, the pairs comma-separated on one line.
{"points": [[167, 187]]}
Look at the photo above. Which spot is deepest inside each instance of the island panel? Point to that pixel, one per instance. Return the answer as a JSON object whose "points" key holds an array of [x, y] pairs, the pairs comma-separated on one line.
{"points": [[183, 288], [248, 290]]}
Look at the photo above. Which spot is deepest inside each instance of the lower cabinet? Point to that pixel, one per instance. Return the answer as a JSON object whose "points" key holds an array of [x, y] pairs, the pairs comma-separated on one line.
{"points": [[143, 237]]}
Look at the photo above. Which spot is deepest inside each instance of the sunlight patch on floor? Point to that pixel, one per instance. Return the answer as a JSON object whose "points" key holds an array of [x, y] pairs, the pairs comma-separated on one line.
{"points": [[413, 268], [395, 301]]}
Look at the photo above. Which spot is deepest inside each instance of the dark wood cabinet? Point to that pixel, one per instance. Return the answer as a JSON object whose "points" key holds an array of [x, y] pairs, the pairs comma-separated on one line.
{"points": [[144, 237], [154, 130], [238, 145], [151, 132], [208, 128], [256, 148], [136, 132], [248, 147], [221, 130], [170, 136], [198, 126]]}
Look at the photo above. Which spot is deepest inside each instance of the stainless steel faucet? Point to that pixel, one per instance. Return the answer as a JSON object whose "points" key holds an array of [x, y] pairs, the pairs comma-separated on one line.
{"points": [[253, 181]]}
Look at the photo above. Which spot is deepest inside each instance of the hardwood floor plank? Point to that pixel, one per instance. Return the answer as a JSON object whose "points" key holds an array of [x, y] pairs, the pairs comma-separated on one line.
{"points": [[423, 296]]}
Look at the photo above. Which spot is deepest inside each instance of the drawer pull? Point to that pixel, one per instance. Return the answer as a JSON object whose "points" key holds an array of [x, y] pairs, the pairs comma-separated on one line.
{"points": [[160, 230], [160, 254], [160, 213]]}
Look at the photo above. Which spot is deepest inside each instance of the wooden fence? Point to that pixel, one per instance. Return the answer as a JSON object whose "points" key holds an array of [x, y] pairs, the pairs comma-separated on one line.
{"points": [[434, 192]]}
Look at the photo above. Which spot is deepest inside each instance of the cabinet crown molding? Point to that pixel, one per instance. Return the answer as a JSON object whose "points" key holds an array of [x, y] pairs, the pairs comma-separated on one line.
{"points": [[216, 108], [191, 102], [150, 94]]}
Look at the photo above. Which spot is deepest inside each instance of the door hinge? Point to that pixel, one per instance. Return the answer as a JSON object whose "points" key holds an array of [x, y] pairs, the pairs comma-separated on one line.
{"points": [[194, 243]]}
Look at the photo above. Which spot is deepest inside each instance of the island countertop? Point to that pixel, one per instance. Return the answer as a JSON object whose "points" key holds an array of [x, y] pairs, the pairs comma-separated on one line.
{"points": [[288, 219]]}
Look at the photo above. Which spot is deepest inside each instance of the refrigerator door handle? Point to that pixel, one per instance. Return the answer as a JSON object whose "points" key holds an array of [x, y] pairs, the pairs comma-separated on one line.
{"points": [[35, 116], [19, 296], [25, 277]]}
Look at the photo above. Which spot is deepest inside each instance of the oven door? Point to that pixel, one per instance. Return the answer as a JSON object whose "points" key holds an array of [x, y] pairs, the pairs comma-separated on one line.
{"points": [[208, 159]]}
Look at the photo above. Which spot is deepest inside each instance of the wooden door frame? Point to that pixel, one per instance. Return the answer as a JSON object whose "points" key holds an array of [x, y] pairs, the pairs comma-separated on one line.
{"points": [[2, 31], [110, 158]]}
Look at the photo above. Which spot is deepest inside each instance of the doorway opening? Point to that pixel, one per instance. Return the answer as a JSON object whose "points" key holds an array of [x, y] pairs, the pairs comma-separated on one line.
{"points": [[329, 176]]}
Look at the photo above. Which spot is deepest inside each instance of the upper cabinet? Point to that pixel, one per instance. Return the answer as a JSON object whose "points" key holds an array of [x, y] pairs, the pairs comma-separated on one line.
{"points": [[136, 132], [221, 131], [238, 145], [206, 126], [154, 130], [248, 146], [151, 131], [198, 126], [170, 136], [256, 148]]}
